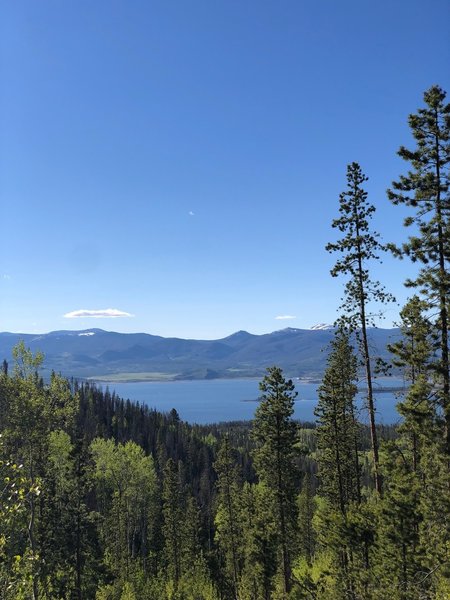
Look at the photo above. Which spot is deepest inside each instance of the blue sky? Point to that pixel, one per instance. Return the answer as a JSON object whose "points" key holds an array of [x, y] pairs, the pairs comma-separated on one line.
{"points": [[181, 162]]}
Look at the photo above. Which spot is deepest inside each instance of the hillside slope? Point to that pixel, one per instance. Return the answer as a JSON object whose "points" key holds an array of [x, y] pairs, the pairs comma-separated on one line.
{"points": [[99, 354]]}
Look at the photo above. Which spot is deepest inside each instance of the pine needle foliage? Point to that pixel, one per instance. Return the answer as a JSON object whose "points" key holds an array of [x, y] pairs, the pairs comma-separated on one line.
{"points": [[357, 248], [275, 434], [425, 189]]}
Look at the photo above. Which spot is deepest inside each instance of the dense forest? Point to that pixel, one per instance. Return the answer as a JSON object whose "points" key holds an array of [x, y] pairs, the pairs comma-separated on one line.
{"points": [[102, 498]]}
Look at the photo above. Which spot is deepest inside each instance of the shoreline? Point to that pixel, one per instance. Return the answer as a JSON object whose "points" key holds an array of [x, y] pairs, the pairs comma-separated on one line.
{"points": [[300, 380]]}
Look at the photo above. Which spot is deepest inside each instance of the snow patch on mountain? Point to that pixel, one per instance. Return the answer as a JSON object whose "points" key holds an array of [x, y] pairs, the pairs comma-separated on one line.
{"points": [[321, 327], [285, 330]]}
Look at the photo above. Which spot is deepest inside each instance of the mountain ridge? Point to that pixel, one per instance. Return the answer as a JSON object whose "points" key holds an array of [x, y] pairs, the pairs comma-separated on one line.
{"points": [[107, 355]]}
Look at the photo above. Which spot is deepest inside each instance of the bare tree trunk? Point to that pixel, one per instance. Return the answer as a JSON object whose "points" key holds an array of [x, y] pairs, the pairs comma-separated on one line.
{"points": [[443, 307], [368, 370]]}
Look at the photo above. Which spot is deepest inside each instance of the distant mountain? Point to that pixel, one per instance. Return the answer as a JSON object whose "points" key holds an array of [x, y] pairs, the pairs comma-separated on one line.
{"points": [[109, 356]]}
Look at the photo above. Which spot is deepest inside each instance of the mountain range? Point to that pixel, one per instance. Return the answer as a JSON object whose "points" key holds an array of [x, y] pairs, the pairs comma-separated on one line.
{"points": [[109, 356]]}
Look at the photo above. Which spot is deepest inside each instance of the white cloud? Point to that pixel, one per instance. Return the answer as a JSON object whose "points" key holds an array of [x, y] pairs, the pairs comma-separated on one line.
{"points": [[107, 313], [191, 213], [285, 317], [6, 276]]}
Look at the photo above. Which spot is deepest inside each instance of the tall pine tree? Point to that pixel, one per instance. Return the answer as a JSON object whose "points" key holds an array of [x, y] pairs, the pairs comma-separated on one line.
{"points": [[413, 354], [343, 529], [275, 434], [358, 247], [228, 522], [337, 428], [425, 189]]}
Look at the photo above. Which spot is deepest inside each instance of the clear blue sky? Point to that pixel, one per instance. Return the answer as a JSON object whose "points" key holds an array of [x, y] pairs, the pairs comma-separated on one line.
{"points": [[182, 161]]}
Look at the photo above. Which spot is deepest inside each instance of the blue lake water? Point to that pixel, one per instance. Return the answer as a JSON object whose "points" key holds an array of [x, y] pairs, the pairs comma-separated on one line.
{"points": [[218, 400]]}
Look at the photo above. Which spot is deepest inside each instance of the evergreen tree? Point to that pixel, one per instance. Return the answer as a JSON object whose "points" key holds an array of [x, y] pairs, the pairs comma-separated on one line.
{"points": [[413, 354], [58, 523], [306, 509], [338, 462], [425, 189], [398, 526], [174, 521], [260, 541], [228, 522], [337, 428], [358, 247], [434, 528], [413, 532], [275, 434]]}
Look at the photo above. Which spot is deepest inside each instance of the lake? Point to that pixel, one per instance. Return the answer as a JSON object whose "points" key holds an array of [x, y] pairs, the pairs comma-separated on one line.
{"points": [[218, 400]]}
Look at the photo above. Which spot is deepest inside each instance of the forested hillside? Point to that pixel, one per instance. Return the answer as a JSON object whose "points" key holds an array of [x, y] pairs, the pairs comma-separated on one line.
{"points": [[104, 496], [105, 499]]}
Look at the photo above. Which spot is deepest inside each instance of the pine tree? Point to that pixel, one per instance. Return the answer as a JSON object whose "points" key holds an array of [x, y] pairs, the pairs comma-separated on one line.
{"points": [[337, 428], [414, 532], [425, 189], [413, 354], [401, 513], [434, 528], [306, 509], [173, 512], [344, 531], [275, 434], [358, 247], [398, 525], [228, 522], [260, 541]]}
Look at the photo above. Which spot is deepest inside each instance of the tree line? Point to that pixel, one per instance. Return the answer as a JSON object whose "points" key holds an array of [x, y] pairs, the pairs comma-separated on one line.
{"points": [[106, 499]]}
